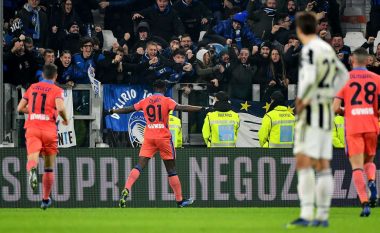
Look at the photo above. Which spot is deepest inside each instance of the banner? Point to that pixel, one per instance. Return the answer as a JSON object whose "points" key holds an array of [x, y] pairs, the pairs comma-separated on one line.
{"points": [[251, 114], [95, 84], [66, 133], [249, 177]]}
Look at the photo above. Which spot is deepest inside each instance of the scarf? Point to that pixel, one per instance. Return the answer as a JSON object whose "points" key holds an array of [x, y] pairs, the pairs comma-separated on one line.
{"points": [[270, 11], [35, 19]]}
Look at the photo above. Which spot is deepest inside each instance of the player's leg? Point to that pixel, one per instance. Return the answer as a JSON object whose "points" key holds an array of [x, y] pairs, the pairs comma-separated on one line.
{"points": [[355, 144], [48, 180], [324, 191], [34, 146], [175, 184], [370, 167]]}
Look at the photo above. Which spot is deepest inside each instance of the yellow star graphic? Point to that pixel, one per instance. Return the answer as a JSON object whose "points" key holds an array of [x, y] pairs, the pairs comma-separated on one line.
{"points": [[245, 106], [291, 110], [266, 107]]}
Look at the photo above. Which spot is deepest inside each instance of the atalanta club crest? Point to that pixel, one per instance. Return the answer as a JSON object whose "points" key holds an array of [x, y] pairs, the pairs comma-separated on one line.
{"points": [[136, 126]]}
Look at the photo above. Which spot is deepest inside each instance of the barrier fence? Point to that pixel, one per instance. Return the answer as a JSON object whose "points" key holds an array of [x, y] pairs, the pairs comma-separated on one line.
{"points": [[247, 177]]}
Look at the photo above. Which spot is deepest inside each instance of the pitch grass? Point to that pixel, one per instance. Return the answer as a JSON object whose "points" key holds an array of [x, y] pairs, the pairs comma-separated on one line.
{"points": [[172, 220]]}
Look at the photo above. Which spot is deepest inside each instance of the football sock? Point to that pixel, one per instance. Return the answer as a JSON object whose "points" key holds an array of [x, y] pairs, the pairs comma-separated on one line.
{"points": [[47, 183], [133, 176], [30, 164], [306, 192], [370, 170], [324, 191], [175, 184], [359, 182]]}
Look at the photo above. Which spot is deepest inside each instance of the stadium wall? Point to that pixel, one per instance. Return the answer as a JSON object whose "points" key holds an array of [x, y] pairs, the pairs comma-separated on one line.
{"points": [[248, 177]]}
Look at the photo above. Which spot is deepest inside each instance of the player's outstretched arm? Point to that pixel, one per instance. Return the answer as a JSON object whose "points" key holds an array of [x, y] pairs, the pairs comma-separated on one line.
{"points": [[189, 108], [126, 110], [22, 106]]}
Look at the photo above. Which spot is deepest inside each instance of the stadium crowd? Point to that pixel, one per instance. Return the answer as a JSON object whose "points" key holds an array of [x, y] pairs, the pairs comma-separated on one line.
{"points": [[246, 42]]}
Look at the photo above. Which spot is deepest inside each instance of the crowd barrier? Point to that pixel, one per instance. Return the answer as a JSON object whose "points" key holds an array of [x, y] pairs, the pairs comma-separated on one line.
{"points": [[247, 177]]}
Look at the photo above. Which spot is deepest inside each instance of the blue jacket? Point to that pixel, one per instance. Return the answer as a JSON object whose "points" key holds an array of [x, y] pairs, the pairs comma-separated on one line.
{"points": [[224, 28], [80, 67]]}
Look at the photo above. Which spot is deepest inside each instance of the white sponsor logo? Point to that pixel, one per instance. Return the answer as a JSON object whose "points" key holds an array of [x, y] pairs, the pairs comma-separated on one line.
{"points": [[362, 111], [156, 126], [41, 117]]}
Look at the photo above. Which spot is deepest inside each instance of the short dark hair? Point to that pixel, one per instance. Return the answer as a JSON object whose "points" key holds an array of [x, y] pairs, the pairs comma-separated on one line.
{"points": [[86, 40], [65, 52], [28, 40], [48, 51], [307, 23], [179, 52], [186, 35], [49, 71], [337, 35], [159, 85], [361, 55]]}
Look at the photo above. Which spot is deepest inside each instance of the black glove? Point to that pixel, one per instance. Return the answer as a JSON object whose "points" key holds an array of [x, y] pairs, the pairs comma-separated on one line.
{"points": [[205, 109]]}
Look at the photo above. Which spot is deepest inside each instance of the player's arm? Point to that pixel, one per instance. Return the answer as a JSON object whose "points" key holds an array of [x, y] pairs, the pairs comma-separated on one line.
{"points": [[23, 106], [189, 108], [126, 110], [337, 106], [60, 105]]}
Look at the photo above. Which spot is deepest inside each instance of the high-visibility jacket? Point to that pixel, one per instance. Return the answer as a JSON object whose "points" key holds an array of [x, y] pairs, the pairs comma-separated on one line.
{"points": [[338, 132], [175, 127], [220, 129], [277, 128]]}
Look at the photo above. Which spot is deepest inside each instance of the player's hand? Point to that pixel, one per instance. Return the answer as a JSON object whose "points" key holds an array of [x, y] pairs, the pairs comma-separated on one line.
{"points": [[371, 40], [65, 122]]}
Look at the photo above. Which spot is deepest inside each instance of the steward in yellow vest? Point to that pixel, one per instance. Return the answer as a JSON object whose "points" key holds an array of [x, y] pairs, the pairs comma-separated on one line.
{"points": [[175, 127], [221, 125], [338, 132], [277, 127]]}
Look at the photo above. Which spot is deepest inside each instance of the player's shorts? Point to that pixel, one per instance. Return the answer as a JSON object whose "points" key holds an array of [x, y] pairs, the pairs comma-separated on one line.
{"points": [[43, 141], [313, 142], [151, 146], [361, 143]]}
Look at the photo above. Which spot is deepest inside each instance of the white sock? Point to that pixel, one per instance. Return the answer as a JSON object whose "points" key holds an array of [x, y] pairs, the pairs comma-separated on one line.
{"points": [[306, 192], [324, 192]]}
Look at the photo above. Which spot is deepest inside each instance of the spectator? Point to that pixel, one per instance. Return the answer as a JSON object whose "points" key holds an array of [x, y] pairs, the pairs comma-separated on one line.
{"points": [[276, 74], [277, 127], [163, 20], [326, 9], [216, 8], [173, 45], [20, 64], [240, 74], [182, 70], [281, 30], [49, 58], [236, 31], [291, 11], [85, 7], [343, 51], [291, 58], [194, 15], [377, 54], [369, 44], [373, 64], [70, 40], [84, 62], [64, 69], [323, 30], [263, 19], [373, 26], [144, 35], [64, 19], [187, 43], [29, 45], [221, 125], [35, 22], [261, 61], [207, 71]]}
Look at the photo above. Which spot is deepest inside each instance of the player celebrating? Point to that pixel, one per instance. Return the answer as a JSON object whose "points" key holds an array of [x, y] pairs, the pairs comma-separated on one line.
{"points": [[360, 96], [157, 137], [321, 75], [41, 102]]}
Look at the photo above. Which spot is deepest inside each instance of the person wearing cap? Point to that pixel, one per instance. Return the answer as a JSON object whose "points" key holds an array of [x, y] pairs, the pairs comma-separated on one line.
{"points": [[236, 30], [263, 19], [173, 45], [175, 127], [338, 132], [221, 125], [277, 127]]}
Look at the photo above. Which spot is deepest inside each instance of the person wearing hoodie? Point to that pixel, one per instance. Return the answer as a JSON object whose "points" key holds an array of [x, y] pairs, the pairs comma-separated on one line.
{"points": [[263, 19], [237, 31], [207, 71], [277, 126], [35, 23], [220, 127], [194, 15], [163, 20], [143, 35]]}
